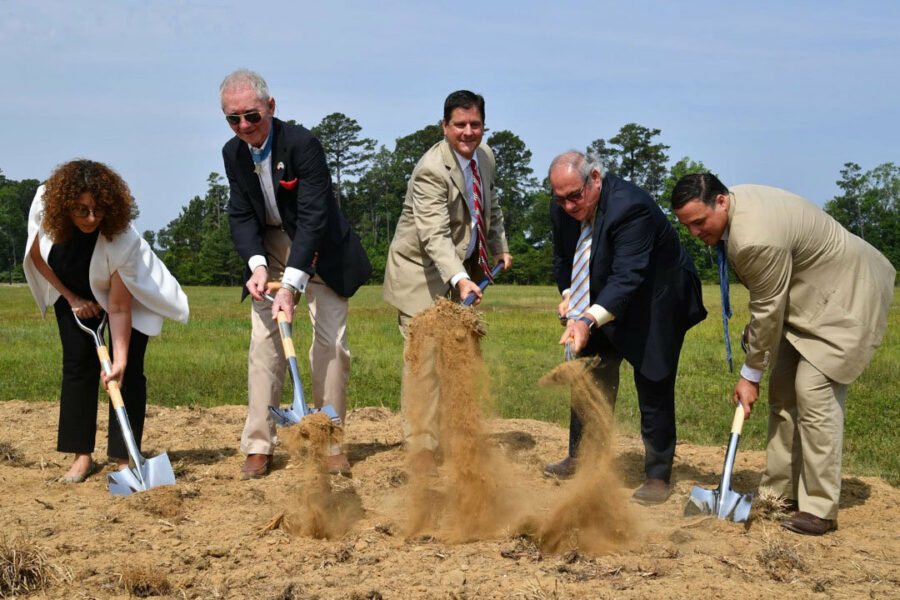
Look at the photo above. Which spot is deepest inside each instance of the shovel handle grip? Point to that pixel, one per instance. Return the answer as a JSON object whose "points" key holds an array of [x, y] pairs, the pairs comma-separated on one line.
{"points": [[738, 423], [115, 394], [284, 327]]}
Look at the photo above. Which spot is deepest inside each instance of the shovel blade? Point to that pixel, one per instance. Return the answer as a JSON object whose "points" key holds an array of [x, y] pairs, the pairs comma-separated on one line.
{"points": [[734, 506], [154, 472], [729, 505], [285, 416], [702, 502], [288, 416]]}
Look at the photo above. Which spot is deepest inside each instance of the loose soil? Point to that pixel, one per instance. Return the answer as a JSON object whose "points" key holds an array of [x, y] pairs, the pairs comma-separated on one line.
{"points": [[489, 526]]}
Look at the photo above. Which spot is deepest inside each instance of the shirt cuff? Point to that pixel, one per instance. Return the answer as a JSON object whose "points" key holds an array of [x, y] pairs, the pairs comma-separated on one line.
{"points": [[600, 314], [257, 260], [751, 374], [296, 278], [455, 279], [565, 293]]}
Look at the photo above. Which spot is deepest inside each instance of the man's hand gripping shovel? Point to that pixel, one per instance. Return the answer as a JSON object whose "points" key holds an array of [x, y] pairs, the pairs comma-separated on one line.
{"points": [[298, 408], [141, 474], [484, 283]]}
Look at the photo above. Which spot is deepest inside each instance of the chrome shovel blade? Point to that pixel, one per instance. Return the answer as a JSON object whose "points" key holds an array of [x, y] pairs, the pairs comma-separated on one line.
{"points": [[153, 473], [735, 507], [701, 502], [288, 416]]}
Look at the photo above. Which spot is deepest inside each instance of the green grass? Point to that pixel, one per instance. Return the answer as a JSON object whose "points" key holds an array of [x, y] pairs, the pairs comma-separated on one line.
{"points": [[205, 363]]}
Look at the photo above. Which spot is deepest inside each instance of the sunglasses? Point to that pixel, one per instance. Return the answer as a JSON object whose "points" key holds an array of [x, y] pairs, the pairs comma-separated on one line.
{"points": [[251, 116], [81, 211]]}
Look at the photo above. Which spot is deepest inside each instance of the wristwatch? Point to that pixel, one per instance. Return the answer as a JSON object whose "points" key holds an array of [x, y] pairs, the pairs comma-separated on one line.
{"points": [[294, 291], [588, 320]]}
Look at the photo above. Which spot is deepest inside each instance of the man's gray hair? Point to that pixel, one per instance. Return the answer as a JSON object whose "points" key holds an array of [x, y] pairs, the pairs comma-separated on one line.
{"points": [[579, 162], [245, 78]]}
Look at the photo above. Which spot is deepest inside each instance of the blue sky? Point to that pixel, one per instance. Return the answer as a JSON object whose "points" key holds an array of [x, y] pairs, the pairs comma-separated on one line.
{"points": [[777, 93]]}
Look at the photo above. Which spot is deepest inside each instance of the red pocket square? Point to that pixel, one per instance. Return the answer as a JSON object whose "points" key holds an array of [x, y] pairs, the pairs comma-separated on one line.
{"points": [[289, 185]]}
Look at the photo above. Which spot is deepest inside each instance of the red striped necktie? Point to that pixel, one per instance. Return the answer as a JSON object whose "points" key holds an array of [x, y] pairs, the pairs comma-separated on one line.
{"points": [[483, 261]]}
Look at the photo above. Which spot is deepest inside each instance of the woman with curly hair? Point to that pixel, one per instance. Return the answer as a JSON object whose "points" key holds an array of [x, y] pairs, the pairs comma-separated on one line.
{"points": [[83, 256]]}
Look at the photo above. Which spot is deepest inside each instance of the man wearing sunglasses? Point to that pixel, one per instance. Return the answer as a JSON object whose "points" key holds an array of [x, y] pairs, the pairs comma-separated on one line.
{"points": [[288, 227], [629, 291]]}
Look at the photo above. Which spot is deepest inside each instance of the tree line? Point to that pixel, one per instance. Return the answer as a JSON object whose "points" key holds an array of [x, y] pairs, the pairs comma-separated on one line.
{"points": [[370, 184]]}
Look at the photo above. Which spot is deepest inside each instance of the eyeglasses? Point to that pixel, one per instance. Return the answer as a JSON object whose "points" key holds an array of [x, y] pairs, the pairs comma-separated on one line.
{"points": [[81, 211], [574, 196], [251, 116]]}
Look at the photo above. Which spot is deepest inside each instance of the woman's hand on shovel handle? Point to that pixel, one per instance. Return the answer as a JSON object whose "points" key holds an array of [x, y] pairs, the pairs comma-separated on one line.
{"points": [[746, 393], [84, 309]]}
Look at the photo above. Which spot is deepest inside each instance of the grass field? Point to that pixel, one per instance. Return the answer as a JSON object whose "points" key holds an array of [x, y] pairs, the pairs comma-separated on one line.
{"points": [[204, 363]]}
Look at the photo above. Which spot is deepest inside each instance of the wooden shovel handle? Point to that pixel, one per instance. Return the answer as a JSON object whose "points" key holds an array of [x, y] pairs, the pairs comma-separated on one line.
{"points": [[115, 394], [738, 423]]}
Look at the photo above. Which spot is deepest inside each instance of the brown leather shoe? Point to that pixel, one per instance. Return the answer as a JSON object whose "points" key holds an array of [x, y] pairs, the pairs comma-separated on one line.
{"points": [[654, 491], [256, 466], [564, 469], [338, 464], [808, 524], [422, 463]]}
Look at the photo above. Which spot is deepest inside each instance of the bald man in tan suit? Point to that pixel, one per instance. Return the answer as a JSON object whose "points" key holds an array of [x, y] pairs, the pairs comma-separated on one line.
{"points": [[819, 299], [434, 251]]}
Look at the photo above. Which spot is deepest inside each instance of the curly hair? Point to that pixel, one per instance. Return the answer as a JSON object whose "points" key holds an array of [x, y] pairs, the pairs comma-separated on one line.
{"points": [[66, 185]]}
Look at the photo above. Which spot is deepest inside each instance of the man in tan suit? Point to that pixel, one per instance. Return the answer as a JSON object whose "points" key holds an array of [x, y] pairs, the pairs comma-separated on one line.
{"points": [[435, 251], [819, 298]]}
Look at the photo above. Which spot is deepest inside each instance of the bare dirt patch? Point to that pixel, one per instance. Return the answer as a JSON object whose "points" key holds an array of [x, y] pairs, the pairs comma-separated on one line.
{"points": [[210, 535]]}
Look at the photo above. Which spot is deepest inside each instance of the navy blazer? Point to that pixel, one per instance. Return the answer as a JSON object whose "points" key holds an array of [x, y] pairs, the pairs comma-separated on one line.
{"points": [[639, 271], [323, 242]]}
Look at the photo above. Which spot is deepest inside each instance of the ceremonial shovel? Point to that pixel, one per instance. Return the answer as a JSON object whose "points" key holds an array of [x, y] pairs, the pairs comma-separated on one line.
{"points": [[724, 502], [141, 474], [298, 409]]}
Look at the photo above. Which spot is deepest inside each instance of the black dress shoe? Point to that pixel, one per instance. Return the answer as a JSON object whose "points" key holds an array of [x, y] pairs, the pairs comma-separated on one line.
{"points": [[654, 491], [807, 524], [564, 469]]}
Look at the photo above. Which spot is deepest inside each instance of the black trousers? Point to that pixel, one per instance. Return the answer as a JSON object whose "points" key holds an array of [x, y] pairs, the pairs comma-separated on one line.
{"points": [[80, 383], [656, 400]]}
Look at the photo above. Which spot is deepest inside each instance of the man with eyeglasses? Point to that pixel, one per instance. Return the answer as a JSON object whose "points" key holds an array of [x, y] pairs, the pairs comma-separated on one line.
{"points": [[629, 290], [287, 226]]}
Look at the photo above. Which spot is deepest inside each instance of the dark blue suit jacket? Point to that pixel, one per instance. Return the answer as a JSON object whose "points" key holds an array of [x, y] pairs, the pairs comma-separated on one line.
{"points": [[639, 272], [322, 241]]}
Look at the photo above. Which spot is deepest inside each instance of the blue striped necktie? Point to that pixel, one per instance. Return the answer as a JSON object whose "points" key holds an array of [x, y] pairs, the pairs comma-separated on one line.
{"points": [[722, 259], [580, 288]]}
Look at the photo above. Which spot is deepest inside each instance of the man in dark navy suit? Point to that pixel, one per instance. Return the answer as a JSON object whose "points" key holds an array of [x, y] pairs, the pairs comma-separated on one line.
{"points": [[629, 291], [288, 227]]}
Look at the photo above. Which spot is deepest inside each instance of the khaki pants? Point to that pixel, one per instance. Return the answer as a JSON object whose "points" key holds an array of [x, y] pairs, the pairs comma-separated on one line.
{"points": [[421, 415], [806, 434], [329, 356]]}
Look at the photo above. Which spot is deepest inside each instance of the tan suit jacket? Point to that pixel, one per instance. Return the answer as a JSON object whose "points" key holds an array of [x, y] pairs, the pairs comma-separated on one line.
{"points": [[824, 289], [435, 228]]}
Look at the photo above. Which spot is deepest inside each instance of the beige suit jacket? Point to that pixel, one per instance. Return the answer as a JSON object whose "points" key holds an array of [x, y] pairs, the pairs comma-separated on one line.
{"points": [[434, 229], [824, 289]]}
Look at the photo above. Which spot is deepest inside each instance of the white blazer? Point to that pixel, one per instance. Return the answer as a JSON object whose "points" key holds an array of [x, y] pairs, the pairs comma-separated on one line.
{"points": [[156, 293]]}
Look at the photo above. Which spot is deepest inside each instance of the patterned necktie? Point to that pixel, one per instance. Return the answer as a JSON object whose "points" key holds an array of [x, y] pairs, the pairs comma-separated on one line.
{"points": [[483, 261], [722, 259], [580, 288]]}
